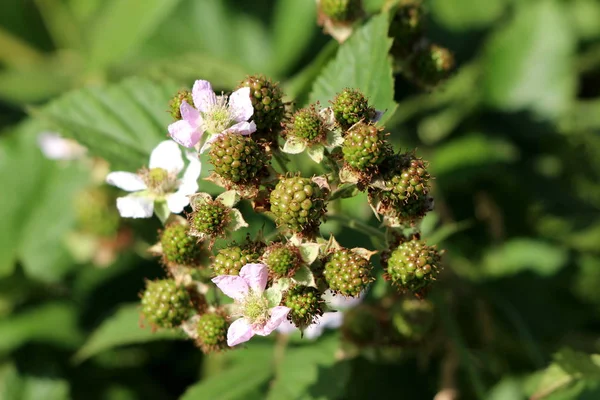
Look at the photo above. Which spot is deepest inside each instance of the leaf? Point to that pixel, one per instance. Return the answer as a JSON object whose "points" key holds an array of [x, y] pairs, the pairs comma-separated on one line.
{"points": [[302, 374], [252, 370], [237, 220], [529, 63], [229, 198], [304, 276], [316, 153], [525, 254], [40, 325], [39, 210], [461, 15], [121, 26], [122, 328], [362, 62], [309, 252], [293, 146], [22, 387], [121, 123]]}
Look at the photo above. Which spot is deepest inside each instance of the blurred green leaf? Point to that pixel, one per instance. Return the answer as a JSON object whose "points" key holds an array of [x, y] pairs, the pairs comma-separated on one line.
{"points": [[41, 325], [251, 368], [22, 387], [529, 63], [585, 15], [38, 209], [293, 28], [466, 14], [122, 25], [507, 389], [524, 254], [121, 123], [122, 328], [304, 372], [362, 62]]}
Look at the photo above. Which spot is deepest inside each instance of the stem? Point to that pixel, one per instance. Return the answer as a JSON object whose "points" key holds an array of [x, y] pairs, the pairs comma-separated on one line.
{"points": [[358, 226], [280, 162]]}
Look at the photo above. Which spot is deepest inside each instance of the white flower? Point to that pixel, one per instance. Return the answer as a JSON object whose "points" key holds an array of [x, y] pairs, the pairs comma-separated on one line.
{"points": [[158, 185], [55, 147]]}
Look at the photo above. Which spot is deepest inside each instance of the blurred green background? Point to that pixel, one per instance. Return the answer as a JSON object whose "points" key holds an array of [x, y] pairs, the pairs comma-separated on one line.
{"points": [[513, 139]]}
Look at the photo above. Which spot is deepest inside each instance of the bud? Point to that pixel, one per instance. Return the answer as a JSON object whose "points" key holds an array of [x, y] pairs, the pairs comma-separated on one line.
{"points": [[165, 304], [230, 260], [179, 248], [307, 126], [282, 260], [305, 305], [351, 106], [212, 332], [364, 146], [432, 64], [267, 100], [413, 265], [211, 218], [175, 103], [347, 273]]}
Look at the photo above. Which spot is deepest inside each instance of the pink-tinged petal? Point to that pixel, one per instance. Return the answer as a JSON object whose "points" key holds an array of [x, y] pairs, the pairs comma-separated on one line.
{"points": [[177, 202], [240, 105], [239, 332], [210, 141], [184, 133], [314, 331], [126, 180], [190, 114], [278, 315], [233, 286], [203, 95], [286, 328], [189, 182], [133, 206], [339, 302], [167, 155], [256, 276], [242, 128], [331, 320]]}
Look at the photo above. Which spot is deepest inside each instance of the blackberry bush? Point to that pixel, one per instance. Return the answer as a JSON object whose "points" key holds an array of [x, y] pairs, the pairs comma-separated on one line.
{"points": [[267, 100], [347, 273], [212, 332], [230, 260], [413, 265], [179, 248], [350, 107], [237, 158], [165, 304], [305, 304], [364, 146]]}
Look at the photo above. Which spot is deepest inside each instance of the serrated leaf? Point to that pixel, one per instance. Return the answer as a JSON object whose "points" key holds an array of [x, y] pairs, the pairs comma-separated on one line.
{"points": [[304, 276], [529, 64], [309, 252], [122, 328], [121, 123], [362, 62], [229, 198], [39, 324]]}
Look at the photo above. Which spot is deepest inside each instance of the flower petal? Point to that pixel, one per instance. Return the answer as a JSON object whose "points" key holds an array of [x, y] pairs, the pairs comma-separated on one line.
{"points": [[203, 95], [55, 147], [286, 327], [278, 315], [240, 105], [340, 302], [210, 141], [133, 206], [239, 332], [243, 128], [331, 320], [126, 180], [256, 276], [167, 155], [313, 331], [189, 182], [233, 286], [190, 114], [177, 202], [185, 133]]}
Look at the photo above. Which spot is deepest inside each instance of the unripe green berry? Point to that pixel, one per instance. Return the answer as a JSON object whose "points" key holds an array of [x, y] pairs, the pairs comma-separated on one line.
{"points": [[413, 265], [96, 213], [298, 204], [351, 106], [179, 248], [432, 64], [281, 260], [230, 260], [407, 177], [413, 318], [212, 332], [211, 218], [307, 125], [341, 10], [237, 158], [305, 304], [347, 273], [175, 103], [267, 100], [364, 146], [165, 304]]}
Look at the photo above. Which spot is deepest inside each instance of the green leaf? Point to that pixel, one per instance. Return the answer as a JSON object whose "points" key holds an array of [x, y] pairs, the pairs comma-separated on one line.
{"points": [[252, 368], [39, 211], [529, 63], [40, 325], [310, 372], [120, 329], [304, 276], [22, 387], [121, 123], [121, 26], [466, 14], [525, 254], [362, 62]]}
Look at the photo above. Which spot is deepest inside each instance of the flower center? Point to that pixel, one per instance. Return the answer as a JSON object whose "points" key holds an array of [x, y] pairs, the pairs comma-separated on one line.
{"points": [[219, 117], [255, 309], [158, 180]]}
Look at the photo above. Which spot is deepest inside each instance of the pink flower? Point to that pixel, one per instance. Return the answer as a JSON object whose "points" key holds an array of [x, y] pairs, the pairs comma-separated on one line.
{"points": [[259, 314], [215, 115]]}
